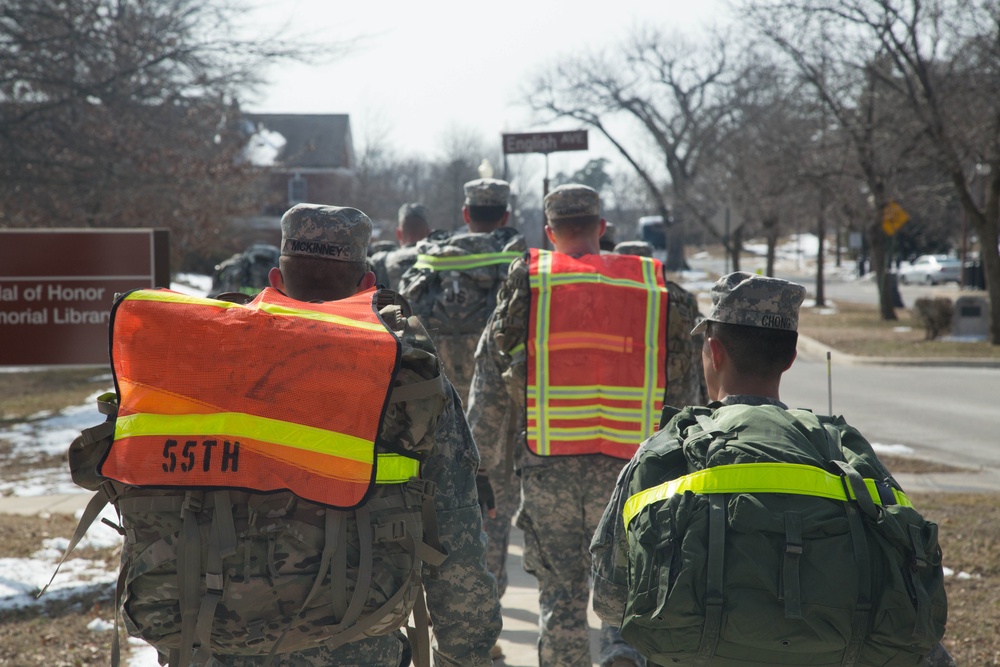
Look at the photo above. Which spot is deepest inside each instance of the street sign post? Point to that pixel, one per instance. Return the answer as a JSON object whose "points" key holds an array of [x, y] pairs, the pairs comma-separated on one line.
{"points": [[545, 142]]}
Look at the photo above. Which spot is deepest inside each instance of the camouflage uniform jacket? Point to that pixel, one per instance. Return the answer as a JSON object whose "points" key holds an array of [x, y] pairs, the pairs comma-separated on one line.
{"points": [[390, 265], [501, 377], [461, 593]]}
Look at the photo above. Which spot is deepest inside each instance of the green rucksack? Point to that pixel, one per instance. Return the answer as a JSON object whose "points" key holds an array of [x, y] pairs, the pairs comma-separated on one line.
{"points": [[764, 536], [453, 288], [237, 572]]}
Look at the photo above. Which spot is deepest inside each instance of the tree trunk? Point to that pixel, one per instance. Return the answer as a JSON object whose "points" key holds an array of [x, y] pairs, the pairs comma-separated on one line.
{"points": [[821, 236], [877, 239], [989, 238], [675, 246], [736, 246]]}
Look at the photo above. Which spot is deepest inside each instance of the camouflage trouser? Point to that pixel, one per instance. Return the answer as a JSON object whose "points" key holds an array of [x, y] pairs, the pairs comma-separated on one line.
{"points": [[507, 492], [561, 504], [388, 651]]}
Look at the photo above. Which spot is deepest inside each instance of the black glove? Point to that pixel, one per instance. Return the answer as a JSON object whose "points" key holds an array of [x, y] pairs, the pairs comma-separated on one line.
{"points": [[487, 500]]}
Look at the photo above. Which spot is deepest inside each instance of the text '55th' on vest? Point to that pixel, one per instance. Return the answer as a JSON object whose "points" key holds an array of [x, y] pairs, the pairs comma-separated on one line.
{"points": [[181, 423], [596, 353]]}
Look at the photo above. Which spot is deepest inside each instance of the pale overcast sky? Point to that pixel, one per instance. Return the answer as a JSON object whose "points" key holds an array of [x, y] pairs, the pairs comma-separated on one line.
{"points": [[424, 69]]}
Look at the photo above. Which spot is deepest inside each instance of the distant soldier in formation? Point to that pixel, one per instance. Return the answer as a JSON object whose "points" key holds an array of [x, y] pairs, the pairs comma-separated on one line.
{"points": [[569, 352], [413, 226], [452, 288]]}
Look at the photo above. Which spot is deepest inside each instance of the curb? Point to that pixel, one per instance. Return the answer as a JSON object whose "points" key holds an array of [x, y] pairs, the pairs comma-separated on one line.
{"points": [[815, 348]]}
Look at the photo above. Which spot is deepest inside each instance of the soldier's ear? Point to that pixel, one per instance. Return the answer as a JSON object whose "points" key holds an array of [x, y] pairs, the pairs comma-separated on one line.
{"points": [[276, 279]]}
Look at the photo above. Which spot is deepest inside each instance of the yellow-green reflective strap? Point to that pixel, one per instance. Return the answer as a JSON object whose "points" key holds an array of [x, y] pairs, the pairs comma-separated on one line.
{"points": [[464, 262], [396, 469], [240, 425], [804, 480], [579, 278], [591, 412], [542, 280], [589, 433], [591, 391], [304, 313]]}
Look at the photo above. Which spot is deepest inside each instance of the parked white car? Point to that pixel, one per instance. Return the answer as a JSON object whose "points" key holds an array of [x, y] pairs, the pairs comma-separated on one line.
{"points": [[931, 270]]}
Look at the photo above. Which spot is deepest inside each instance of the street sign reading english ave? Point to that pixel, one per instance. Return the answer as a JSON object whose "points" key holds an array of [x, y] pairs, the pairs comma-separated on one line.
{"points": [[545, 142]]}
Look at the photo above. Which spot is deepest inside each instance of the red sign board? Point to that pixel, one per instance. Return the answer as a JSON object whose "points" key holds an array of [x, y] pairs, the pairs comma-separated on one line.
{"points": [[545, 142], [57, 287]]}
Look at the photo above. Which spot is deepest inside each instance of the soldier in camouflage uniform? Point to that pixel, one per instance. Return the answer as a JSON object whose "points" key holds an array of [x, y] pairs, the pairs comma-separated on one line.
{"points": [[455, 306], [750, 316], [562, 497], [461, 593], [413, 226]]}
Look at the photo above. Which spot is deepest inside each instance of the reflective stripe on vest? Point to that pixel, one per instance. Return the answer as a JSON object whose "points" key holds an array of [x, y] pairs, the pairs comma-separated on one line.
{"points": [[465, 262], [795, 478], [272, 395], [596, 353]]}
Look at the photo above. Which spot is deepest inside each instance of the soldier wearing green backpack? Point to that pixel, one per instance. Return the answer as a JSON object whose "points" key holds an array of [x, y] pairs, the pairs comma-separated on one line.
{"points": [[747, 533]]}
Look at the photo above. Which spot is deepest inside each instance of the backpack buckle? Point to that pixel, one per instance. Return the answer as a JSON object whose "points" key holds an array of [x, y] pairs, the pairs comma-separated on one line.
{"points": [[392, 531]]}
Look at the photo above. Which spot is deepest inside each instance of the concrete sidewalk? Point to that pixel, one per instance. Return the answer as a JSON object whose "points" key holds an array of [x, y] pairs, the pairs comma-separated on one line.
{"points": [[520, 604]]}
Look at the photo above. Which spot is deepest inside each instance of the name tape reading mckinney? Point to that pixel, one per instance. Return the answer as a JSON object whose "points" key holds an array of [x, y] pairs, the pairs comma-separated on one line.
{"points": [[545, 142]]}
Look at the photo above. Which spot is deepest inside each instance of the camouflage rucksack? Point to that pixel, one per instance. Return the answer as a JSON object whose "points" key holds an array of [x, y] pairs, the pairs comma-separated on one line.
{"points": [[238, 572], [453, 290], [763, 536]]}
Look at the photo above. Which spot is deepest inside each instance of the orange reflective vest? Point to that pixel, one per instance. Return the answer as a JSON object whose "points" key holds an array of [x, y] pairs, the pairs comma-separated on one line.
{"points": [[276, 394], [596, 353]]}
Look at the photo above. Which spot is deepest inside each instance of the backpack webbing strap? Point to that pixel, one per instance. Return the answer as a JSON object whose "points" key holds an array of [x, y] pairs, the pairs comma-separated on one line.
{"points": [[338, 572], [93, 509], [790, 571], [922, 625], [419, 634], [859, 621], [188, 574], [859, 540], [221, 544], [715, 568]]}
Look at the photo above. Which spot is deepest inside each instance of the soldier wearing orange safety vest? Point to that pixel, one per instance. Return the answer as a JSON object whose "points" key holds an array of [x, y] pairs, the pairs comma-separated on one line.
{"points": [[327, 388], [589, 346]]}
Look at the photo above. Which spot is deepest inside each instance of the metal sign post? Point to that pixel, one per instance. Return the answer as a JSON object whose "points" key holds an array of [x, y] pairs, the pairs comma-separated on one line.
{"points": [[545, 143]]}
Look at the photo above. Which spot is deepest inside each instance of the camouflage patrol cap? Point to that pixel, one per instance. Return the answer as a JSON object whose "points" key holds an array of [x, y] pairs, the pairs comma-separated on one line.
{"points": [[327, 232], [487, 192], [572, 200], [756, 301], [640, 248], [413, 210]]}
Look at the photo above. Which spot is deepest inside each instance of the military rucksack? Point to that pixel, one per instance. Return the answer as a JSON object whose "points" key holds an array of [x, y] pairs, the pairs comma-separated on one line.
{"points": [[453, 288], [763, 536], [230, 570]]}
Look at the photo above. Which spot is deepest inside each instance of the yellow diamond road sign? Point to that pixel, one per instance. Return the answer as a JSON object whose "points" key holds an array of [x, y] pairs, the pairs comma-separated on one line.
{"points": [[893, 218]]}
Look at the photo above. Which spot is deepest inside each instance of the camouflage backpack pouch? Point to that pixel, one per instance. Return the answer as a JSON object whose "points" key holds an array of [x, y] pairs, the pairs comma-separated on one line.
{"points": [[453, 288]]}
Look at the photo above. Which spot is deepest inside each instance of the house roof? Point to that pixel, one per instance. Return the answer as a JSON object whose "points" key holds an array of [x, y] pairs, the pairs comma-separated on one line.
{"points": [[311, 140]]}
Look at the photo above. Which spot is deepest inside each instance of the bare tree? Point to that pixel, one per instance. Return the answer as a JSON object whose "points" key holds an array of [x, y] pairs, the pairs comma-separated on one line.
{"points": [[125, 113], [941, 59], [677, 95]]}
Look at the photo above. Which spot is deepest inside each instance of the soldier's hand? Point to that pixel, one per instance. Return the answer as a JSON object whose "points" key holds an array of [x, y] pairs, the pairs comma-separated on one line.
{"points": [[487, 500]]}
